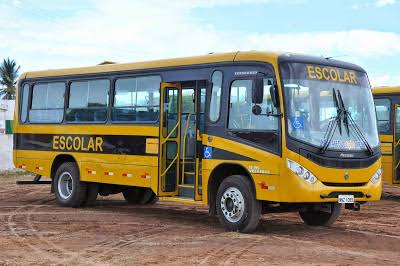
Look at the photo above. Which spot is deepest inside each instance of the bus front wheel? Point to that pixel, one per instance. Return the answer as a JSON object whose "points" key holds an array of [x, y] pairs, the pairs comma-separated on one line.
{"points": [[237, 206], [69, 190], [321, 218]]}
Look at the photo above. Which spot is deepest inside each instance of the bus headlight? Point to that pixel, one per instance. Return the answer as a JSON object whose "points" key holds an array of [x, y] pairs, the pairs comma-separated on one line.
{"points": [[301, 171], [377, 176]]}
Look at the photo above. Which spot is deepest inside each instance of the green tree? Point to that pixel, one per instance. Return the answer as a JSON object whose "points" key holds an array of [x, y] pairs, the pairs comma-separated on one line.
{"points": [[8, 78]]}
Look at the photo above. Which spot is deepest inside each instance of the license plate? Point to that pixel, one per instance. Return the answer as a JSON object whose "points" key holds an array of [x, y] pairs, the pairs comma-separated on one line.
{"points": [[346, 199]]}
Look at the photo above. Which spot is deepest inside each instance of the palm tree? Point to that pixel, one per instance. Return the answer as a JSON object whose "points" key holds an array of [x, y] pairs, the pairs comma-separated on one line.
{"points": [[8, 78]]}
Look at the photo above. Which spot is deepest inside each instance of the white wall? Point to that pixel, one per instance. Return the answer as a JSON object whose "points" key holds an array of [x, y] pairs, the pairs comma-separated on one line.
{"points": [[7, 109], [6, 147], [6, 141]]}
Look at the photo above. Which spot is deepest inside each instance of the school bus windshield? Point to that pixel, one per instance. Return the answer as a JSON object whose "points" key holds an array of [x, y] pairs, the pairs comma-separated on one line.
{"points": [[310, 93]]}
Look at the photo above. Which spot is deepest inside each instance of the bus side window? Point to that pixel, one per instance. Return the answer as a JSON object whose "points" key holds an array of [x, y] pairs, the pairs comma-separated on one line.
{"points": [[137, 99], [215, 103], [24, 103], [382, 107], [88, 101], [47, 103]]}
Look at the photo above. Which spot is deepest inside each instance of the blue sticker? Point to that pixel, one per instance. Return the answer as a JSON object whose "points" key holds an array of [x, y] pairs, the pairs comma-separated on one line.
{"points": [[297, 122], [207, 152]]}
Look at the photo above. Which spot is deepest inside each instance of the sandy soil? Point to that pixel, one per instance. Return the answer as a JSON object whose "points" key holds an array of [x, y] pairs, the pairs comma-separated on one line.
{"points": [[34, 230]]}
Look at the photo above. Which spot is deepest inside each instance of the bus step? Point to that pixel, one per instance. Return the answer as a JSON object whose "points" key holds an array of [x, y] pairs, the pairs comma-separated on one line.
{"points": [[186, 191], [32, 182], [189, 178], [35, 181]]}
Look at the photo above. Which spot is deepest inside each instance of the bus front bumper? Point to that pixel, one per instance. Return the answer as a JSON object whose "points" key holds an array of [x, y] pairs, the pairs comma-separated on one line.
{"points": [[292, 189]]}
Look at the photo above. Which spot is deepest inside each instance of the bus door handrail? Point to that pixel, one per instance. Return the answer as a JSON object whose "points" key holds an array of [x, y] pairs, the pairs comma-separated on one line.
{"points": [[177, 152], [172, 131], [398, 163], [169, 166], [184, 147]]}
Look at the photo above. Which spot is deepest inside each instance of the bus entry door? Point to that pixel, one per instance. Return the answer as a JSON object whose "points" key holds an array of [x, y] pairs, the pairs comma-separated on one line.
{"points": [[396, 149], [170, 124]]}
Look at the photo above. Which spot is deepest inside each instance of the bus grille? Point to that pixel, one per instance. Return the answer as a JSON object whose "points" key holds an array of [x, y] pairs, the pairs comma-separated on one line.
{"points": [[335, 194], [329, 184]]}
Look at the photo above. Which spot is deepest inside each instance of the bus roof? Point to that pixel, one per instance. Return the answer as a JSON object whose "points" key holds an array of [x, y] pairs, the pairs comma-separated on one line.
{"points": [[386, 90], [185, 61]]}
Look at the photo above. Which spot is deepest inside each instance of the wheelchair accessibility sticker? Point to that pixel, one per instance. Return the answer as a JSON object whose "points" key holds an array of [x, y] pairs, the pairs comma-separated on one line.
{"points": [[298, 122], [207, 152]]}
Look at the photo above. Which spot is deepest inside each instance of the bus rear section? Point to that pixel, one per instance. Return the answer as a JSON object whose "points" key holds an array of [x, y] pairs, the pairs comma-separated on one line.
{"points": [[245, 133], [387, 104]]}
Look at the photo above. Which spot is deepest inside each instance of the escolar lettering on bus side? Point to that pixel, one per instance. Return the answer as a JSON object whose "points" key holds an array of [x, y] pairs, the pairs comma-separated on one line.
{"points": [[78, 143]]}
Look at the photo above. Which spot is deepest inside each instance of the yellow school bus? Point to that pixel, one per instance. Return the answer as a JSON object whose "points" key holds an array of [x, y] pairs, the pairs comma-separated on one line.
{"points": [[387, 104], [245, 133]]}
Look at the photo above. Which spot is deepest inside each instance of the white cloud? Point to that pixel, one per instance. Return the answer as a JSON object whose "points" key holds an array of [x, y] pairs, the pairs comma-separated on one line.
{"points": [[376, 3], [385, 80], [355, 43], [382, 3], [126, 31]]}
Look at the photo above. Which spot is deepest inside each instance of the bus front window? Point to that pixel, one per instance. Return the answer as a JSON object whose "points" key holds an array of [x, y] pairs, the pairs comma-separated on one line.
{"points": [[311, 108]]}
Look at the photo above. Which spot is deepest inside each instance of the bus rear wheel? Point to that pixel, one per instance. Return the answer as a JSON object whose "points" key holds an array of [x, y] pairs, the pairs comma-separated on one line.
{"points": [[91, 194], [69, 190], [321, 218], [237, 206], [139, 195]]}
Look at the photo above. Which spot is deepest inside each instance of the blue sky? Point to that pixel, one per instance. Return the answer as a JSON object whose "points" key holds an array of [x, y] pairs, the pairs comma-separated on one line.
{"points": [[56, 34]]}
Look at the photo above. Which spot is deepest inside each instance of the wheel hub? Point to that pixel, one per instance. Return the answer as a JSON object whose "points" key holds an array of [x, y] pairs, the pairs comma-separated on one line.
{"points": [[65, 185], [232, 204]]}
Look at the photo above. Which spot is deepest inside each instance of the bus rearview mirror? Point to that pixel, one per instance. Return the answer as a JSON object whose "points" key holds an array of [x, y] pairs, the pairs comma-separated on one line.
{"points": [[256, 109], [274, 95], [258, 91]]}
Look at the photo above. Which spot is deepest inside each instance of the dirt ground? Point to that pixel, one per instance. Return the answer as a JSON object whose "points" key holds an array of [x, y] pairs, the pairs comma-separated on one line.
{"points": [[34, 230]]}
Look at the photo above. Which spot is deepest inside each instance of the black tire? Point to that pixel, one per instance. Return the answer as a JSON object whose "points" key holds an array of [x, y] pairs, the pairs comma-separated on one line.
{"points": [[148, 196], [153, 199], [139, 195], [250, 209], [321, 218], [77, 189], [132, 195], [92, 192]]}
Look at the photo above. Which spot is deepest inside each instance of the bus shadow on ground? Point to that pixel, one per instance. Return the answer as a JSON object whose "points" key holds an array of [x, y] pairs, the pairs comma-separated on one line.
{"points": [[198, 217], [390, 196]]}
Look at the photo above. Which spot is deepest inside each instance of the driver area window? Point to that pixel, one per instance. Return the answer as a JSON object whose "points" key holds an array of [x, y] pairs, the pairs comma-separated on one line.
{"points": [[241, 116], [261, 129]]}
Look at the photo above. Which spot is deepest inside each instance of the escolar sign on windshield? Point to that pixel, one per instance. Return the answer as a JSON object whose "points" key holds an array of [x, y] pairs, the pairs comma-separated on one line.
{"points": [[323, 73], [331, 74]]}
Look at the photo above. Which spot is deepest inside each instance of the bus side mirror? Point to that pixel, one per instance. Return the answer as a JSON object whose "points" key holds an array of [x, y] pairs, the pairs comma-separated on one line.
{"points": [[274, 94], [256, 109], [258, 91]]}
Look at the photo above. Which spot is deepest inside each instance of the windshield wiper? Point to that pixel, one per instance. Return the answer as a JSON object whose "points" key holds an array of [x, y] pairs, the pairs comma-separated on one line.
{"points": [[348, 119], [335, 122], [343, 108]]}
